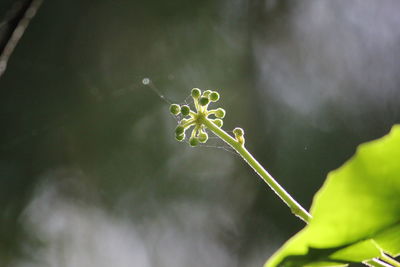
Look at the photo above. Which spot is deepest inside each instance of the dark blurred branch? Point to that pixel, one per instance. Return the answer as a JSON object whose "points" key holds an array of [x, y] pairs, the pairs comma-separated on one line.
{"points": [[21, 14]]}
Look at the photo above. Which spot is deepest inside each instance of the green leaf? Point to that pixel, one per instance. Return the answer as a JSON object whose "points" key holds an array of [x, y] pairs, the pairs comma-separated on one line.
{"points": [[389, 240], [356, 213]]}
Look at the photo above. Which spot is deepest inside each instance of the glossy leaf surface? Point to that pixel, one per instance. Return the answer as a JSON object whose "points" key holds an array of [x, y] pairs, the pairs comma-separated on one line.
{"points": [[356, 213]]}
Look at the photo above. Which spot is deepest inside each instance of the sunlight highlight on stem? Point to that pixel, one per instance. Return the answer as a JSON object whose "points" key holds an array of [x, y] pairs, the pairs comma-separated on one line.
{"points": [[376, 263], [389, 260], [294, 206]]}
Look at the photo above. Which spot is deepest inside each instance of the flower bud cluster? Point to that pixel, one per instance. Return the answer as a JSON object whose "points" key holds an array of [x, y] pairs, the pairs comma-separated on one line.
{"points": [[197, 117]]}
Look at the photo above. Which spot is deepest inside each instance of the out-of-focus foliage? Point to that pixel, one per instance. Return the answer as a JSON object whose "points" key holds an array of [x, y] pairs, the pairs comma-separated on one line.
{"points": [[356, 214]]}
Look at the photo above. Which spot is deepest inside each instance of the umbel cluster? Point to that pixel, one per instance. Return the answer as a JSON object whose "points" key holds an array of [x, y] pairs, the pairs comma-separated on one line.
{"points": [[198, 118]]}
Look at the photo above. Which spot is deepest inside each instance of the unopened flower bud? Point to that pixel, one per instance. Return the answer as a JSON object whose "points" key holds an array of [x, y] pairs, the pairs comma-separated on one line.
{"points": [[204, 101], [238, 131], [193, 141], [196, 92], [180, 137], [214, 96], [207, 93], [179, 130], [220, 113], [175, 109], [218, 122], [239, 135], [185, 110], [203, 137]]}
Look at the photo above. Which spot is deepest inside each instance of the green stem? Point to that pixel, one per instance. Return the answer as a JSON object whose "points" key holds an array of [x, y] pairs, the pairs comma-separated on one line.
{"points": [[376, 263], [294, 206], [389, 260]]}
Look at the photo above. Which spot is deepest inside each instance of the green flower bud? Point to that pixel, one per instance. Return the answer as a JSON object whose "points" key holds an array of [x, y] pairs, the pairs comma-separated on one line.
{"points": [[238, 131], [204, 101], [196, 92], [203, 137], [207, 93], [193, 141], [220, 113], [180, 137], [185, 110], [218, 122], [179, 130], [214, 96], [175, 109]]}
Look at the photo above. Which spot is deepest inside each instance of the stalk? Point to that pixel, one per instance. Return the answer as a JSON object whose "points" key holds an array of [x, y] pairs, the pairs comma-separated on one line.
{"points": [[376, 263], [389, 260], [294, 206]]}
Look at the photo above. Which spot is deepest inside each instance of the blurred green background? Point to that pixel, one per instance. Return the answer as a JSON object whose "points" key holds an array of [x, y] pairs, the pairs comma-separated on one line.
{"points": [[90, 173]]}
